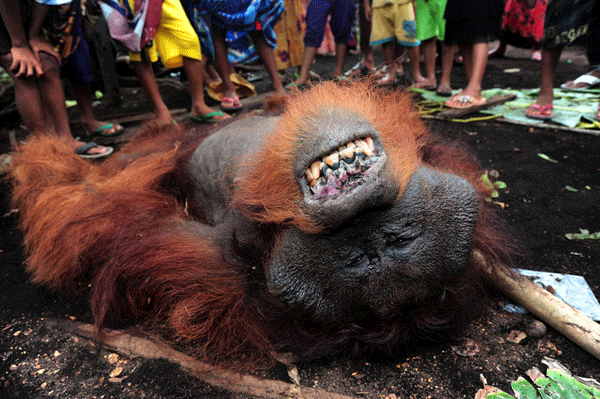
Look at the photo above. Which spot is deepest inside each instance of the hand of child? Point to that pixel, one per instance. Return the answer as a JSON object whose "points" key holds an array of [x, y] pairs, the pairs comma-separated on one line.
{"points": [[37, 45], [24, 62]]}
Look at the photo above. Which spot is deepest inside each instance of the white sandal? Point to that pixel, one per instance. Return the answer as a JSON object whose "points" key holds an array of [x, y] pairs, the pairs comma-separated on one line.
{"points": [[589, 80]]}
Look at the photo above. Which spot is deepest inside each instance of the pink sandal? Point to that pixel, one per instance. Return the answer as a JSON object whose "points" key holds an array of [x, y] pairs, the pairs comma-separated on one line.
{"points": [[542, 112], [231, 104]]}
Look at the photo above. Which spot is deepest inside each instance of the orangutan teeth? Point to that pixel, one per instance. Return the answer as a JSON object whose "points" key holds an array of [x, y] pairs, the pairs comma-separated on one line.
{"points": [[342, 168]]}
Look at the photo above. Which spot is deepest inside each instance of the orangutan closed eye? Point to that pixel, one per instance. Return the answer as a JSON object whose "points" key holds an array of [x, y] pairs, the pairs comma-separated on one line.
{"points": [[339, 221]]}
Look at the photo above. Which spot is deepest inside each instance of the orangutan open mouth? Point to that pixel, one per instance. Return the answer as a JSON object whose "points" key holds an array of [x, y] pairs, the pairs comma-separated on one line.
{"points": [[342, 169]]}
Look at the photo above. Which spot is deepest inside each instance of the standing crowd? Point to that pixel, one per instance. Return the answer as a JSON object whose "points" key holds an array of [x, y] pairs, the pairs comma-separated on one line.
{"points": [[42, 42]]}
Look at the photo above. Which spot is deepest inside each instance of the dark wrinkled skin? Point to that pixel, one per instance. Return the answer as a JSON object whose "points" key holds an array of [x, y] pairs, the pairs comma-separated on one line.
{"points": [[378, 254]]}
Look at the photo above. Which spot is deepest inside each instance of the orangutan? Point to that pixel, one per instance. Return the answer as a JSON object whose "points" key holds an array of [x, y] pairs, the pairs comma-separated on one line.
{"points": [[338, 223]]}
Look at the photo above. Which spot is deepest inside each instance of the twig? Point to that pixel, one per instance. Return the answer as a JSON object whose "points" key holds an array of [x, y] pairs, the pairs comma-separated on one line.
{"points": [[565, 319], [132, 346]]}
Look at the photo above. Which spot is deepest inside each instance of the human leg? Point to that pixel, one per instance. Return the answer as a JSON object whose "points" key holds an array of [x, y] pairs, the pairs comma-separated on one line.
{"points": [[27, 97], [222, 63], [308, 56], [268, 58], [445, 87], [194, 70], [144, 71], [365, 32], [475, 61], [316, 18], [389, 55], [82, 91], [542, 109], [429, 49], [340, 56], [53, 98]]}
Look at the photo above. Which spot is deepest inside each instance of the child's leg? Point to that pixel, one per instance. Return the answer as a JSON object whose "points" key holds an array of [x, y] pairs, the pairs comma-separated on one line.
{"points": [[308, 57], [82, 92], [467, 55], [144, 71], [414, 58], [268, 58], [316, 18], [445, 86], [340, 56], [365, 33], [476, 60], [53, 97], [389, 55], [429, 48], [550, 60], [221, 60], [27, 97], [194, 70]]}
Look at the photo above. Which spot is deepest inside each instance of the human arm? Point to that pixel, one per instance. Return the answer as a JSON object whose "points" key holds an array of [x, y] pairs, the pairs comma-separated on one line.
{"points": [[24, 62], [368, 10]]}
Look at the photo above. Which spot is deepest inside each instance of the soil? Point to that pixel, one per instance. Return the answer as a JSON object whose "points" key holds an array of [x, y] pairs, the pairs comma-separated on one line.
{"points": [[38, 361]]}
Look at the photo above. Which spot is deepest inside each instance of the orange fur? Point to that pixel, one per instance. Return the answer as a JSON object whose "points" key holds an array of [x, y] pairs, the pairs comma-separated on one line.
{"points": [[391, 113]]}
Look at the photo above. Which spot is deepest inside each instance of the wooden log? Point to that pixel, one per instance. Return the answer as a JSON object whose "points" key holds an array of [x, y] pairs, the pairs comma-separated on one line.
{"points": [[132, 346], [565, 319]]}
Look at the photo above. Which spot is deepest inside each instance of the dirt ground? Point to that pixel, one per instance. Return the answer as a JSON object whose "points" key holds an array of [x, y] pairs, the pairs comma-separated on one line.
{"points": [[40, 361]]}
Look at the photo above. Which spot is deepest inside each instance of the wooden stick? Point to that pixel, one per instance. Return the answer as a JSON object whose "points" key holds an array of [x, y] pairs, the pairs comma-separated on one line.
{"points": [[565, 319], [132, 346]]}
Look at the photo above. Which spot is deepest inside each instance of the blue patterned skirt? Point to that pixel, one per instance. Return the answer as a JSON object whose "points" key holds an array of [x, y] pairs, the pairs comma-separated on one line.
{"points": [[237, 17]]}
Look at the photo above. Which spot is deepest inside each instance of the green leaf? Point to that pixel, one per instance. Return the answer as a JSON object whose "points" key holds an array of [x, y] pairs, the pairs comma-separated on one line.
{"points": [[500, 185], [572, 189], [571, 385], [524, 390], [485, 180], [546, 157], [499, 395], [583, 235]]}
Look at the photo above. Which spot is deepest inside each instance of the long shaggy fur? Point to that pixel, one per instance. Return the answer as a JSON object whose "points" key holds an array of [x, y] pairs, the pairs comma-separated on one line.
{"points": [[123, 227]]}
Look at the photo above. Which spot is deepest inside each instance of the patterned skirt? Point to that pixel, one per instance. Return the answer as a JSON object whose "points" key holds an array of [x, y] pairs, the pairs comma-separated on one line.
{"points": [[237, 17]]}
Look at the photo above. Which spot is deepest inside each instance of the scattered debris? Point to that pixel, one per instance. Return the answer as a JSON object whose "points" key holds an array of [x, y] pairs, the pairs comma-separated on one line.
{"points": [[557, 383], [468, 348], [516, 336]]}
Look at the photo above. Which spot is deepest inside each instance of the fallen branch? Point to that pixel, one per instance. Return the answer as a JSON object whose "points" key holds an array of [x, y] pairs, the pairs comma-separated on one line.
{"points": [[132, 346], [565, 319]]}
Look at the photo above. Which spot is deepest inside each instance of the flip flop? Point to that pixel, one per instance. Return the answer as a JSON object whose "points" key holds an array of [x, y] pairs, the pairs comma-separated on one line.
{"points": [[387, 80], [541, 112], [231, 104], [208, 118], [588, 82], [83, 149], [359, 69], [102, 129], [443, 93], [423, 85], [462, 101]]}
